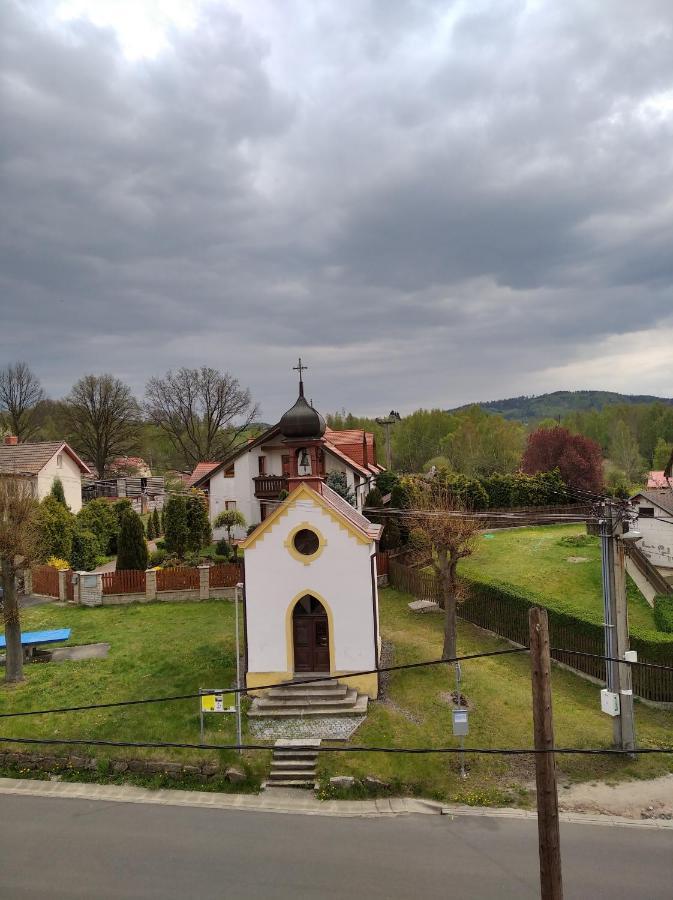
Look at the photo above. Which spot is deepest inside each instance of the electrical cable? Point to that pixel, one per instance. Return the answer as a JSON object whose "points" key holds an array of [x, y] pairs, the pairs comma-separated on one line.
{"points": [[500, 751]]}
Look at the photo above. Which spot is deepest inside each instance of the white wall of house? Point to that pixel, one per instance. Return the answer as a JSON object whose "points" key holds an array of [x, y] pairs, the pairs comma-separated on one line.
{"points": [[657, 542], [341, 575], [62, 466], [241, 488]]}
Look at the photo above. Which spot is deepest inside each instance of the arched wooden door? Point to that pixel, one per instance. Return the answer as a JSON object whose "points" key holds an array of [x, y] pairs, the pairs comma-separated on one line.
{"points": [[310, 629]]}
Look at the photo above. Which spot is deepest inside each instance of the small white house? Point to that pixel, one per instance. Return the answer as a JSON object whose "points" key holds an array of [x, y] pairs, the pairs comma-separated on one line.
{"points": [[311, 598], [41, 463], [655, 523]]}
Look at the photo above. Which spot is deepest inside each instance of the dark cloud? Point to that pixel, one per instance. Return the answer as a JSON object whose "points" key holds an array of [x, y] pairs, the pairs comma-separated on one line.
{"points": [[432, 202]]}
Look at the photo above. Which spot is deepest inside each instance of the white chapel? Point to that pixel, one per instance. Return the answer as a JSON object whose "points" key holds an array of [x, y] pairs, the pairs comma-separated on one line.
{"points": [[311, 598]]}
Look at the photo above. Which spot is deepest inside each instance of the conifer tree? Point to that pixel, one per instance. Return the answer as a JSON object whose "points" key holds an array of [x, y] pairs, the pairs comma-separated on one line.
{"points": [[131, 544], [175, 526], [156, 522], [57, 491], [150, 528]]}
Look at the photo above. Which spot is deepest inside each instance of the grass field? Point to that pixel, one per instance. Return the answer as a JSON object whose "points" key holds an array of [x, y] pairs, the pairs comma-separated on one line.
{"points": [[162, 649], [538, 559], [416, 714]]}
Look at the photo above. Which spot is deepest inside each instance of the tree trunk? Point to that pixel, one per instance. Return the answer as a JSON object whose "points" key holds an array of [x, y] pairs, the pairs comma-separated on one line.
{"points": [[14, 659], [449, 650]]}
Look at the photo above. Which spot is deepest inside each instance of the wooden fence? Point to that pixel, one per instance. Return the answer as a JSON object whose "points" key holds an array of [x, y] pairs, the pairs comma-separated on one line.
{"points": [[124, 582], [181, 578], [226, 575], [382, 563], [491, 607], [45, 581]]}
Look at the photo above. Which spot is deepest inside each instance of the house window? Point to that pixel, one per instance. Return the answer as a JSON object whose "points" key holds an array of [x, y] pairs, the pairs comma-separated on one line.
{"points": [[646, 512], [59, 460], [230, 504], [261, 462]]}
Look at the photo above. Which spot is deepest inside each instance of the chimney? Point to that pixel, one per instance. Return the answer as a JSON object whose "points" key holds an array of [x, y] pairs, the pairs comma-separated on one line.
{"points": [[11, 440]]}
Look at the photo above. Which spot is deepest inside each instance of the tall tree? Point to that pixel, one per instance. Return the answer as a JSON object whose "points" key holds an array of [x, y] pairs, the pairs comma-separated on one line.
{"points": [[624, 451], [198, 523], [20, 392], [483, 443], [662, 454], [450, 534], [578, 459], [18, 546], [202, 411], [175, 525], [104, 417]]}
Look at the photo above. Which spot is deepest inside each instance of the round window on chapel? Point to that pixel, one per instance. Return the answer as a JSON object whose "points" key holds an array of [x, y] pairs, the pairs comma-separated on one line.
{"points": [[306, 542]]}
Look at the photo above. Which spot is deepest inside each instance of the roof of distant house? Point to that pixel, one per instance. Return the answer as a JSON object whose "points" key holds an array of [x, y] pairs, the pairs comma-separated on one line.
{"points": [[656, 480], [661, 498], [31, 458], [200, 471]]}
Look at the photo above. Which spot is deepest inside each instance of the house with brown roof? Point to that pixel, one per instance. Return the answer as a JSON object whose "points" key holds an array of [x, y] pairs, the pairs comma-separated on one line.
{"points": [[41, 463], [655, 523], [253, 477]]}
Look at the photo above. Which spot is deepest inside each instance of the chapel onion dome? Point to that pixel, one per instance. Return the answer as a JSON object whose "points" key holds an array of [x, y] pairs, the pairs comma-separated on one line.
{"points": [[302, 420]]}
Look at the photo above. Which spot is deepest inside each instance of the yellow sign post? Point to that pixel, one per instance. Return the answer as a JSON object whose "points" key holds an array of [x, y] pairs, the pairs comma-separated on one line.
{"points": [[216, 700]]}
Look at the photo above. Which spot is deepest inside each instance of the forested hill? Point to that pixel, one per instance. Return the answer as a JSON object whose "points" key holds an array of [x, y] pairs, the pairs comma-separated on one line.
{"points": [[561, 403]]}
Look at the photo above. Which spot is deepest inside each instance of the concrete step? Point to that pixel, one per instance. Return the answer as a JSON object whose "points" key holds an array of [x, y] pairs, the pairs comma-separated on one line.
{"points": [[296, 754], [309, 691], [358, 708], [292, 775], [306, 784], [298, 702], [303, 743], [292, 765]]}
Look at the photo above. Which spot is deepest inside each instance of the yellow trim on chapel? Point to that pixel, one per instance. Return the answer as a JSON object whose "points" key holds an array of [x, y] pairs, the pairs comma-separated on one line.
{"points": [[304, 558], [303, 490]]}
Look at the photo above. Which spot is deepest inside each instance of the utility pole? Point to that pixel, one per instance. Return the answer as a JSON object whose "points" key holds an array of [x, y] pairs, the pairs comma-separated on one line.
{"points": [[551, 882], [616, 626], [387, 422]]}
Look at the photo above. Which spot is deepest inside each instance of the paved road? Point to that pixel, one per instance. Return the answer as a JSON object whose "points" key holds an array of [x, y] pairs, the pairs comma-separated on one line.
{"points": [[72, 849]]}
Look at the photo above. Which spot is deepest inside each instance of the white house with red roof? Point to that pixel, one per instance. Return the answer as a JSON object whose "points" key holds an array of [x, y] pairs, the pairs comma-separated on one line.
{"points": [[253, 477], [43, 462]]}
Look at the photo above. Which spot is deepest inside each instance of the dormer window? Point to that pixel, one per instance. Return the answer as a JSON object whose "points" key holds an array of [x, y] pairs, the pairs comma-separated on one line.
{"points": [[59, 460]]}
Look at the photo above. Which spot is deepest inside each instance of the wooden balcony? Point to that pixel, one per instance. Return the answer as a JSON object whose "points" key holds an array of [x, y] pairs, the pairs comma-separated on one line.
{"points": [[268, 487]]}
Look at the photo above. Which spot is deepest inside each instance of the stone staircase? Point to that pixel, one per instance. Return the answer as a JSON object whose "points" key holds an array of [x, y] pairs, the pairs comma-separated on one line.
{"points": [[310, 698], [293, 764]]}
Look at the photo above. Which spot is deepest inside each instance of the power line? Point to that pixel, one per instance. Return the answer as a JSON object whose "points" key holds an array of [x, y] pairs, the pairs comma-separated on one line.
{"points": [[499, 751], [321, 678]]}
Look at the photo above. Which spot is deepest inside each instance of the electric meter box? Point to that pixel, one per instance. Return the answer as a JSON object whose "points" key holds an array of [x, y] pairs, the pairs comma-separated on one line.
{"points": [[460, 726], [609, 702]]}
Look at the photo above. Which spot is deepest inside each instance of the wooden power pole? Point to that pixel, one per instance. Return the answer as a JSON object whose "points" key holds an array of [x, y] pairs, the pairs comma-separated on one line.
{"points": [[551, 883]]}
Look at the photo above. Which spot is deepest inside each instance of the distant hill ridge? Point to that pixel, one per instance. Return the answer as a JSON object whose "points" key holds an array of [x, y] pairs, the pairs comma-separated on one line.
{"points": [[560, 403]]}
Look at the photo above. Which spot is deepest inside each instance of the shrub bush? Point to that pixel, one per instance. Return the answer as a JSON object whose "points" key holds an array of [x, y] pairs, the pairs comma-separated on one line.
{"points": [[158, 557], [55, 527], [132, 546], [175, 525], [223, 549], [85, 550], [663, 613], [100, 517]]}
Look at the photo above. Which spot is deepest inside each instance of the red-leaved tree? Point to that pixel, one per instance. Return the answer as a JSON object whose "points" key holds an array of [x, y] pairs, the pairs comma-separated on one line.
{"points": [[578, 458]]}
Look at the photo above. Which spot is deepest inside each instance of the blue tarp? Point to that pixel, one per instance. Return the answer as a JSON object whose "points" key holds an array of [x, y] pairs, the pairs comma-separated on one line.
{"points": [[29, 638]]}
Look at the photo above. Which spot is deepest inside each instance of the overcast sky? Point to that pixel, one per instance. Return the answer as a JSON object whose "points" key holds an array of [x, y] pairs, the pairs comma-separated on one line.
{"points": [[431, 202]]}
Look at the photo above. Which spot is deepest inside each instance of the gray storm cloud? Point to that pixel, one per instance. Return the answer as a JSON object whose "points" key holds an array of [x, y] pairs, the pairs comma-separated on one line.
{"points": [[433, 203]]}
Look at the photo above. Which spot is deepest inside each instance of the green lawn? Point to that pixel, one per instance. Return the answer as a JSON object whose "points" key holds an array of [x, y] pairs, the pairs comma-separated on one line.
{"points": [[156, 650], [415, 714], [162, 649], [537, 559]]}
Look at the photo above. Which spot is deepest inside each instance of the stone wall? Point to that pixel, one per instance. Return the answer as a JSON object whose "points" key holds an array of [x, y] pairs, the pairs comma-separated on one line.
{"points": [[31, 762]]}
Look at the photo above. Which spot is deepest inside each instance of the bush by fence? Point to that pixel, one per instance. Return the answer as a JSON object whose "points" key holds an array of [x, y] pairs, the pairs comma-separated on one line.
{"points": [[663, 612], [503, 609]]}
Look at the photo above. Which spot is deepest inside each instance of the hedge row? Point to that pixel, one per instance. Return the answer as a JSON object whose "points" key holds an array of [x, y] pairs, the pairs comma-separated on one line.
{"points": [[503, 608], [663, 612]]}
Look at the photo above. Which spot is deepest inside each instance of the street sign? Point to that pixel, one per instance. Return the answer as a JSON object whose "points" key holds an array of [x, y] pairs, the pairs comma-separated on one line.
{"points": [[218, 702]]}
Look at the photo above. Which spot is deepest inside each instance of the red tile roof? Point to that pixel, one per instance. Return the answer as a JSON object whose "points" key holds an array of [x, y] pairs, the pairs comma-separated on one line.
{"points": [[200, 471], [29, 459], [657, 480], [343, 507], [355, 444]]}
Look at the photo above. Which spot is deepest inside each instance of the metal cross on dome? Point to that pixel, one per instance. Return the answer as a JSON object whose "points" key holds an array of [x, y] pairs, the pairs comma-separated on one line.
{"points": [[300, 368]]}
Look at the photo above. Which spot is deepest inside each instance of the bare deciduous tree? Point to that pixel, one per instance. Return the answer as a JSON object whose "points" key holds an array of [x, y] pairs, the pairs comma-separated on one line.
{"points": [[202, 411], [18, 546], [20, 392], [450, 534], [104, 417]]}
